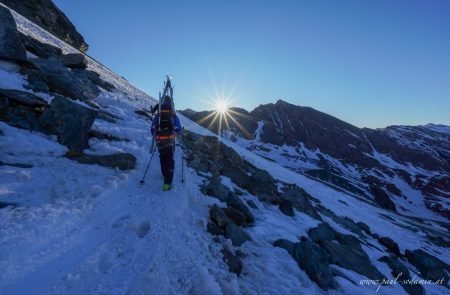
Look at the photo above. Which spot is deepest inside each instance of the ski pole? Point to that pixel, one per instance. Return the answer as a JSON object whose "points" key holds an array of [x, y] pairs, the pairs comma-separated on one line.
{"points": [[151, 157], [182, 157], [182, 166]]}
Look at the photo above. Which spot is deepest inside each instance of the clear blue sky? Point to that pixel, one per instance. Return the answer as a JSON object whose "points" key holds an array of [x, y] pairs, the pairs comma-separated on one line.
{"points": [[370, 63]]}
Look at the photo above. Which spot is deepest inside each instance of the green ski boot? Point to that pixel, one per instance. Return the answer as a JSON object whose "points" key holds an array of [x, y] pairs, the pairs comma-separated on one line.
{"points": [[167, 187]]}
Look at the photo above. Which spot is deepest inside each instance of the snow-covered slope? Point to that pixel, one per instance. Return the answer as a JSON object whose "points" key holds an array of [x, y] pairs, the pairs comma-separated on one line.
{"points": [[71, 228], [401, 168]]}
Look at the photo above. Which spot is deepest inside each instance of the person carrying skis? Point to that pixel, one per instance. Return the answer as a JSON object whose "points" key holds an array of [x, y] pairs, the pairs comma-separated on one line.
{"points": [[165, 127]]}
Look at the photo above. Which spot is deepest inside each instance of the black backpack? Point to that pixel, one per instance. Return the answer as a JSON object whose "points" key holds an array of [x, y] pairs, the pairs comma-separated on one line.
{"points": [[165, 126]]}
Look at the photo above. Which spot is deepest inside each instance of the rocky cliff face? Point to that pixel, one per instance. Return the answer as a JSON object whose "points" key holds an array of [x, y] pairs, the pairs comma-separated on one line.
{"points": [[48, 16], [54, 93], [391, 166]]}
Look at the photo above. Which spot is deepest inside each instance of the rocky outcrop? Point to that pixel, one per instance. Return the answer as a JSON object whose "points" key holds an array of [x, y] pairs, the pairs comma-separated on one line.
{"points": [[237, 208], [93, 77], [226, 221], [236, 234], [286, 207], [216, 189], [401, 272], [391, 245], [61, 80], [21, 109], [122, 161], [382, 198], [326, 247], [10, 45], [312, 259], [70, 121], [300, 200], [233, 261], [219, 217], [207, 154], [429, 266], [38, 48], [74, 61], [51, 18]]}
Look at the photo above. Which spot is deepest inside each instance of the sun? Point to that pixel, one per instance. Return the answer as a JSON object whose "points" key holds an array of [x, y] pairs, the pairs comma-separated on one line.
{"points": [[221, 106]]}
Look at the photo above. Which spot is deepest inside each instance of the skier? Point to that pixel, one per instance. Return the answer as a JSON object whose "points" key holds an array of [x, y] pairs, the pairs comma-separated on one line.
{"points": [[165, 127]]}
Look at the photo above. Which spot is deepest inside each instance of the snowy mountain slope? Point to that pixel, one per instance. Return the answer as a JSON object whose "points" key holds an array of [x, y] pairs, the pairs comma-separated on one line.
{"points": [[399, 167], [77, 229], [271, 225]]}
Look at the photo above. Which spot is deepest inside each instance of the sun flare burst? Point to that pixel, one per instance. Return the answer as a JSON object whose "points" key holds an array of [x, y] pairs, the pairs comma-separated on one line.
{"points": [[224, 120], [221, 106]]}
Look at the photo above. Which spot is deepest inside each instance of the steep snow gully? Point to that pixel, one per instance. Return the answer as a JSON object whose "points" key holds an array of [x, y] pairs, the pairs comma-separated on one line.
{"points": [[71, 228]]}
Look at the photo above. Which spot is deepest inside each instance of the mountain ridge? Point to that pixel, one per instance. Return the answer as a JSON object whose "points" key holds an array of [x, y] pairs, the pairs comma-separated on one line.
{"points": [[359, 159]]}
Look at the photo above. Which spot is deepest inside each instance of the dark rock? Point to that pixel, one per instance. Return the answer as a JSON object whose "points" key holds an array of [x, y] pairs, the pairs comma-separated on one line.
{"points": [[312, 259], [215, 230], [38, 48], [252, 204], [238, 192], [74, 60], [207, 154], [10, 45], [285, 244], [345, 203], [48, 16], [105, 116], [101, 135], [233, 261], [65, 82], [216, 189], [6, 205], [301, 201], [37, 81], [348, 224], [401, 272], [218, 216], [429, 266], [351, 256], [323, 232], [18, 165], [263, 186], [286, 207], [21, 109], [23, 98], [123, 161], [364, 227], [236, 234], [144, 113], [438, 240], [390, 245], [237, 216], [235, 203], [94, 77], [382, 198], [71, 122]]}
